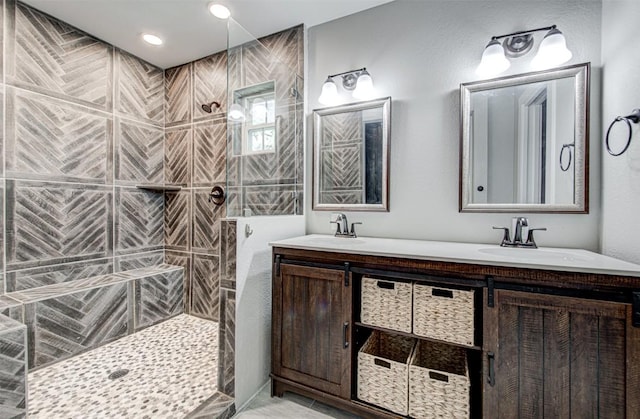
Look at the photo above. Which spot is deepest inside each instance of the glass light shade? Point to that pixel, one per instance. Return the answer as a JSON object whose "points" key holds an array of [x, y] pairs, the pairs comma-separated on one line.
{"points": [[364, 86], [219, 11], [236, 113], [493, 60], [552, 51], [329, 95]]}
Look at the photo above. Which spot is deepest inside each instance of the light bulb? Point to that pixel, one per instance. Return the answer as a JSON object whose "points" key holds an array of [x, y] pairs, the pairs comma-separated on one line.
{"points": [[235, 112], [152, 39], [329, 95], [552, 51], [364, 86], [493, 60], [219, 11]]}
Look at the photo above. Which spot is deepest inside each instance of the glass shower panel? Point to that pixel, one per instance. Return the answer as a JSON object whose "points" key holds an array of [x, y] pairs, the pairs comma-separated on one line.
{"points": [[264, 122]]}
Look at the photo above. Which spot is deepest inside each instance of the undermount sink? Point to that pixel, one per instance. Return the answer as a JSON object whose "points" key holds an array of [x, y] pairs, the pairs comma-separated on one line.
{"points": [[534, 254], [335, 241]]}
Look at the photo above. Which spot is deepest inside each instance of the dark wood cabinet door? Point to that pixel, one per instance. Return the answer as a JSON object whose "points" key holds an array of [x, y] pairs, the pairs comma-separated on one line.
{"points": [[560, 357], [312, 328]]}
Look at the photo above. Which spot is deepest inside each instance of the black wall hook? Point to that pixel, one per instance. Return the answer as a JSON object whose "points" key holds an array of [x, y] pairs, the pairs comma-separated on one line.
{"points": [[633, 117]]}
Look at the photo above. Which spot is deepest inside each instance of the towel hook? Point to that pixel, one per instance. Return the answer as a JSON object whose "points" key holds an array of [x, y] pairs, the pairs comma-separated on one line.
{"points": [[633, 117], [568, 147]]}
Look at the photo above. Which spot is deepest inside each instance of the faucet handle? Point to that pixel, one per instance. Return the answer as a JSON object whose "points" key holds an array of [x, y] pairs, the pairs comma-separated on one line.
{"points": [[507, 237], [530, 241], [338, 231], [353, 228]]}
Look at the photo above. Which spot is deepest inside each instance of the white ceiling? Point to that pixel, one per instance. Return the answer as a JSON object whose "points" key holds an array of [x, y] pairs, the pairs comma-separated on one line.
{"points": [[188, 29]]}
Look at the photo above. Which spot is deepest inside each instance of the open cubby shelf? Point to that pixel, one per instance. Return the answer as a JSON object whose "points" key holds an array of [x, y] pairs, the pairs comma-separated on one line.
{"points": [[411, 335]]}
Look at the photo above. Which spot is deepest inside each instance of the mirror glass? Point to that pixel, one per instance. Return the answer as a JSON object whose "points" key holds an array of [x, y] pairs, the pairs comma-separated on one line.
{"points": [[524, 142], [351, 153]]}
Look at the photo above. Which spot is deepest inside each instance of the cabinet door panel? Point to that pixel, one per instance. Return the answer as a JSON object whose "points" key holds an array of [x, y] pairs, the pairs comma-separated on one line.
{"points": [[556, 364], [310, 332], [556, 357], [584, 356], [611, 357]]}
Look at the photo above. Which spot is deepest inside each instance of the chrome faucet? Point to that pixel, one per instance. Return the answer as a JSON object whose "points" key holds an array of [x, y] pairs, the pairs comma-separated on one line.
{"points": [[518, 224], [342, 228], [520, 227]]}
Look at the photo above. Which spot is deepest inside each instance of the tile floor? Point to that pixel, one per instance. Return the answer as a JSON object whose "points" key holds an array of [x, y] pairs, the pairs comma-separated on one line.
{"points": [[172, 370], [289, 406]]}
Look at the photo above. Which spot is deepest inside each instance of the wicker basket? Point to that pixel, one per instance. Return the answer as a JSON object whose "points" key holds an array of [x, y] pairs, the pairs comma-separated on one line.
{"points": [[383, 371], [443, 314], [438, 381], [386, 304]]}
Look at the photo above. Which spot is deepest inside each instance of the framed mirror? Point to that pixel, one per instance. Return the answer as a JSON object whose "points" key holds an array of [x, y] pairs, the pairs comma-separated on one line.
{"points": [[351, 156], [524, 142]]}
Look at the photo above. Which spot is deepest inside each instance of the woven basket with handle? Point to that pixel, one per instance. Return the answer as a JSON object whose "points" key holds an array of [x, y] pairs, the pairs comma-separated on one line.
{"points": [[386, 304], [383, 371], [443, 314], [438, 381]]}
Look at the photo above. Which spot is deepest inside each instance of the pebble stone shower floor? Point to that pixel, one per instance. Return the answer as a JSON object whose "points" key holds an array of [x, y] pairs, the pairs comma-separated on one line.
{"points": [[172, 370]]}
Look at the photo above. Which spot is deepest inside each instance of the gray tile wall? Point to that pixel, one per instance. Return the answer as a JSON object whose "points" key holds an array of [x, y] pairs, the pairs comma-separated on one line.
{"points": [[13, 369], [84, 123], [197, 153], [227, 308]]}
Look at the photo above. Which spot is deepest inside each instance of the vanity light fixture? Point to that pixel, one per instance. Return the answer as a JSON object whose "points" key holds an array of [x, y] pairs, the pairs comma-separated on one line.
{"points": [[152, 39], [551, 52], [359, 81], [220, 11]]}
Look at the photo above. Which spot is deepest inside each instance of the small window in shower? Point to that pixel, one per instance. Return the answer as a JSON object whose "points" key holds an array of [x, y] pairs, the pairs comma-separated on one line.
{"points": [[257, 131], [260, 126]]}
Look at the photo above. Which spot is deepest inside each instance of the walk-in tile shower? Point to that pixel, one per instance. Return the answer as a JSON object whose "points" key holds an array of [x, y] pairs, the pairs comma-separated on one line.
{"points": [[112, 282]]}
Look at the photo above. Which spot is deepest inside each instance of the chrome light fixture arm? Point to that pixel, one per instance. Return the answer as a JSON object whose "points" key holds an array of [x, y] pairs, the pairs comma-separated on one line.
{"points": [[551, 51], [349, 78]]}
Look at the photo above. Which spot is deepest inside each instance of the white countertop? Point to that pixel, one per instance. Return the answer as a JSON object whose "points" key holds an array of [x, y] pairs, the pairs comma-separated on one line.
{"points": [[549, 258]]}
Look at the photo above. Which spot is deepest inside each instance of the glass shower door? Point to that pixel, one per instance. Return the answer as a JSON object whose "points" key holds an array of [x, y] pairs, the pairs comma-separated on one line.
{"points": [[264, 122]]}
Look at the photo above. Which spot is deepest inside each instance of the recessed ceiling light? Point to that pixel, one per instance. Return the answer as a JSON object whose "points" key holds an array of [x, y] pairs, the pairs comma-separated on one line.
{"points": [[219, 11], [151, 39]]}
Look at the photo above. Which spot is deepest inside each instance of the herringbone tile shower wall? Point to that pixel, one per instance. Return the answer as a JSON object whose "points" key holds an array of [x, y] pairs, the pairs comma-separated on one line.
{"points": [[199, 153], [83, 124]]}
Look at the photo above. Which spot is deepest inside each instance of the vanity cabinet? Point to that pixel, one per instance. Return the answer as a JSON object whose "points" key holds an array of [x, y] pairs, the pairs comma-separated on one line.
{"points": [[311, 328], [556, 356], [547, 343]]}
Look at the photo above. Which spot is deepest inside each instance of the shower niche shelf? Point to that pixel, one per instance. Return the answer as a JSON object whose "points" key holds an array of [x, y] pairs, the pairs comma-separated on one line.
{"points": [[161, 188]]}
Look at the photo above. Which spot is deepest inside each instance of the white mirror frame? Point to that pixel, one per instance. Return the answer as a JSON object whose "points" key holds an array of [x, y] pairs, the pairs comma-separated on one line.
{"points": [[385, 105], [581, 74]]}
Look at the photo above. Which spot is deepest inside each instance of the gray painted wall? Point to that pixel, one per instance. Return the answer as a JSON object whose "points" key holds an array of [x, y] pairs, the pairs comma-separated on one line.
{"points": [[621, 94], [418, 53], [253, 312]]}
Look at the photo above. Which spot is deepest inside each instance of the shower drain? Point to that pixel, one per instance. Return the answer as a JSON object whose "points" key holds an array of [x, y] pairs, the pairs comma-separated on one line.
{"points": [[118, 374]]}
